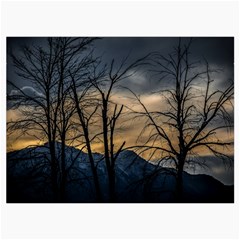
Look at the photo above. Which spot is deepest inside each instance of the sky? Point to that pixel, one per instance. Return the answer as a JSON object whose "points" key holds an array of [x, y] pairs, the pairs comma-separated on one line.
{"points": [[217, 50]]}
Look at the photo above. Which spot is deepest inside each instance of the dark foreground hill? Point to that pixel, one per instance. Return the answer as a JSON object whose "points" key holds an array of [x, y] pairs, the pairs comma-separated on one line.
{"points": [[137, 180]]}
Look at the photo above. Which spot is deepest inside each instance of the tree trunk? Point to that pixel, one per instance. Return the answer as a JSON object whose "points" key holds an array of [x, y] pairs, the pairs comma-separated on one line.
{"points": [[63, 172], [112, 196], [110, 168], [94, 171], [91, 159], [54, 173], [179, 182]]}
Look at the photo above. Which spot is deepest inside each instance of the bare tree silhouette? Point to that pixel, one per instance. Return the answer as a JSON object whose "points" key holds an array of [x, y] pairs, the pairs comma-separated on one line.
{"points": [[191, 116], [85, 101], [43, 109], [105, 81]]}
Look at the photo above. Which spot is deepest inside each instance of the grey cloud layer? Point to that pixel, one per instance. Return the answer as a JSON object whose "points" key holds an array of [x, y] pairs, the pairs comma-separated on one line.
{"points": [[219, 51]]}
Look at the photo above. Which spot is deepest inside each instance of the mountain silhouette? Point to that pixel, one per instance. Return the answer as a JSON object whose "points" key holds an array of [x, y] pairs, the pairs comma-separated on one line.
{"points": [[137, 180]]}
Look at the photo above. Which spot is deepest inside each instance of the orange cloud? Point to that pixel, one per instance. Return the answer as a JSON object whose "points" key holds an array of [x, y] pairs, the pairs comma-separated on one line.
{"points": [[129, 127]]}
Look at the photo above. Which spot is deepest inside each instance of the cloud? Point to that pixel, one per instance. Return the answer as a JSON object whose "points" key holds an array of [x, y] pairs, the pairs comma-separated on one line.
{"points": [[12, 115], [28, 90]]}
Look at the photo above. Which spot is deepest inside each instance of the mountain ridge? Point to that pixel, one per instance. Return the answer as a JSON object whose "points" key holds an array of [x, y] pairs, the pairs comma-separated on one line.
{"points": [[137, 180]]}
